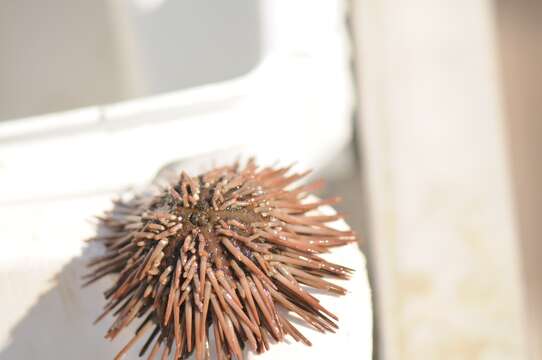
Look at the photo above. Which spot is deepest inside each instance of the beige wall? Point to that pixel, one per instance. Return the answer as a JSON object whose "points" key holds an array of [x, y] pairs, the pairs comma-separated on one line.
{"points": [[444, 238], [520, 40]]}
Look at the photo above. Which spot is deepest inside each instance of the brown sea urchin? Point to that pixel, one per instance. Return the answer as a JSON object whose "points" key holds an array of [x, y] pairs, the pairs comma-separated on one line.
{"points": [[229, 255]]}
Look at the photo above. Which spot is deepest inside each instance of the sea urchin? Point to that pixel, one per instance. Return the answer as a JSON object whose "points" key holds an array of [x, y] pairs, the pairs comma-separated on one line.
{"points": [[229, 255]]}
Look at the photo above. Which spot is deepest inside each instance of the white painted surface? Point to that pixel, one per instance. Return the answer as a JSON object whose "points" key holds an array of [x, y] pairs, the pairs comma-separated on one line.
{"points": [[295, 106], [443, 231]]}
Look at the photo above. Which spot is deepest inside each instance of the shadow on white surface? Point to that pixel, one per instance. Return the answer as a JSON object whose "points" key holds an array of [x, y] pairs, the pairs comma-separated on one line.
{"points": [[59, 324]]}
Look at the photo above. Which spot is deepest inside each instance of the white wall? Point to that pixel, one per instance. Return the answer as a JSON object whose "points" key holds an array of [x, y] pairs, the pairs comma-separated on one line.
{"points": [[64, 54], [56, 55], [191, 42]]}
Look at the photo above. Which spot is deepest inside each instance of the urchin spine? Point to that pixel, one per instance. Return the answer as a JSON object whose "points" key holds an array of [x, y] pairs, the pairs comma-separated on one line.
{"points": [[225, 251]]}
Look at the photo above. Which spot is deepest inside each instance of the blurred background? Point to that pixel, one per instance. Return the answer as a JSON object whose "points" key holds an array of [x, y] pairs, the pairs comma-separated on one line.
{"points": [[422, 115]]}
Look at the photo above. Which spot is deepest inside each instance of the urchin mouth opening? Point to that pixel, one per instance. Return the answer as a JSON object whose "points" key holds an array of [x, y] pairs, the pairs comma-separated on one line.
{"points": [[197, 214], [207, 227]]}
